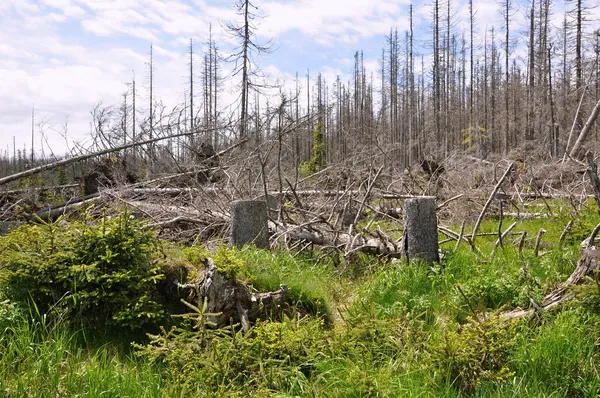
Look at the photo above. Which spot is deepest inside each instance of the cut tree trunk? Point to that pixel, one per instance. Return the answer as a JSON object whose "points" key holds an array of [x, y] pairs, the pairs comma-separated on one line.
{"points": [[249, 223], [420, 230]]}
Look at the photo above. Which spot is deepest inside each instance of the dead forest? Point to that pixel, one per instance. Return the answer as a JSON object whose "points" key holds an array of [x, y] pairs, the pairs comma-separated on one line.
{"points": [[323, 153], [472, 150]]}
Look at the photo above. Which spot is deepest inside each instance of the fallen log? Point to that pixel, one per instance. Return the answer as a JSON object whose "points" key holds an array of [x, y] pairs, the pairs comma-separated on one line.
{"points": [[588, 264], [54, 212], [75, 159], [35, 189], [376, 244]]}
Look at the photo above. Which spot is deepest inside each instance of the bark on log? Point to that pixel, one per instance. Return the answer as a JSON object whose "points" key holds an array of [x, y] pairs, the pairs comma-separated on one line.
{"points": [[589, 262], [54, 212], [249, 223], [379, 245], [420, 230]]}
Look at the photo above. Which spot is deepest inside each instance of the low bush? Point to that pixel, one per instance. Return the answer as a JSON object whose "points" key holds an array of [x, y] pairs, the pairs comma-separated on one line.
{"points": [[474, 352], [93, 273]]}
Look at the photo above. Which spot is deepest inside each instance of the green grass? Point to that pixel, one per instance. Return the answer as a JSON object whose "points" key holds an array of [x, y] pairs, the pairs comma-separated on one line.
{"points": [[39, 360], [376, 328]]}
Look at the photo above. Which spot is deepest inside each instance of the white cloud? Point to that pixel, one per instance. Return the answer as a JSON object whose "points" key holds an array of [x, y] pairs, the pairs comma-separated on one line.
{"points": [[334, 20], [67, 7]]}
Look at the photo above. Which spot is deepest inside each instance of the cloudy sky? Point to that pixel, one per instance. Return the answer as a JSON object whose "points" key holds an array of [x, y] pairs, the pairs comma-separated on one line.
{"points": [[64, 56]]}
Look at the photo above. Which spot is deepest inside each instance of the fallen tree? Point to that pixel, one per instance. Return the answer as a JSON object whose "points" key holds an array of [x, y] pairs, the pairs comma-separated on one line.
{"points": [[80, 158], [587, 266]]}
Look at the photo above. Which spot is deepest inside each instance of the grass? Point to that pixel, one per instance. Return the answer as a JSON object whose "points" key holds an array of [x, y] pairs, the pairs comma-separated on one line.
{"points": [[39, 360], [391, 329]]}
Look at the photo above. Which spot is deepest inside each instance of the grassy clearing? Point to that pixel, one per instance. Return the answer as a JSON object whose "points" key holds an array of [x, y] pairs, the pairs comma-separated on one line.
{"points": [[377, 328]]}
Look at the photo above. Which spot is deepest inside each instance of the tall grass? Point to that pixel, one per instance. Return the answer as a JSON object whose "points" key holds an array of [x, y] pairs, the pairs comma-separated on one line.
{"points": [[41, 359], [393, 330]]}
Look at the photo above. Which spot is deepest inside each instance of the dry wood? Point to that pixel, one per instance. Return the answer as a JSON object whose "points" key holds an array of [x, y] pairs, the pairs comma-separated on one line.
{"points": [[565, 231], [489, 201], [588, 264], [54, 212], [501, 238], [538, 240], [230, 300], [361, 242], [366, 197], [592, 172], [75, 159], [526, 216], [50, 188], [585, 131], [452, 199], [460, 235]]}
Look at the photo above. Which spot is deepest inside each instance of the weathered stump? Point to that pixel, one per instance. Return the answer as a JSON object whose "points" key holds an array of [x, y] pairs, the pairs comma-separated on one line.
{"points": [[229, 300], [420, 230], [249, 223], [348, 215]]}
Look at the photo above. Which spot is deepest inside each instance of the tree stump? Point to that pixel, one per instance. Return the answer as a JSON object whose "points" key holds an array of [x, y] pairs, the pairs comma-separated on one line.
{"points": [[230, 300], [249, 223], [420, 230]]}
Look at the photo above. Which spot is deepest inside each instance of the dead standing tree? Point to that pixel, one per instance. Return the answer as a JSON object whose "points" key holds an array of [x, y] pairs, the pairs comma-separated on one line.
{"points": [[242, 57]]}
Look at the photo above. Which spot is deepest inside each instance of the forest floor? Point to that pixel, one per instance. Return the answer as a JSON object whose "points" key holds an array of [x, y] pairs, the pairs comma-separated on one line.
{"points": [[361, 326]]}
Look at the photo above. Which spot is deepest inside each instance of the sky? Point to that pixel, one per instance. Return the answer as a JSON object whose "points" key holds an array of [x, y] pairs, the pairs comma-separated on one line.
{"points": [[59, 58]]}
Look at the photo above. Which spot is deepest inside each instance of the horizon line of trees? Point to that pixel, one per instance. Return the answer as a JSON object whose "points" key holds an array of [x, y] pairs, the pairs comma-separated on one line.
{"points": [[454, 95]]}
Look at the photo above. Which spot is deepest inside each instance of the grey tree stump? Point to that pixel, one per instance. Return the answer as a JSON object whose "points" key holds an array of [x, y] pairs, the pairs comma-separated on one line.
{"points": [[420, 230], [249, 223]]}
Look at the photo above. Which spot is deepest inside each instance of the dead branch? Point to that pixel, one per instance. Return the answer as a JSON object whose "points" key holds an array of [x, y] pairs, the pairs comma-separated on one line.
{"points": [[68, 161], [501, 238], [584, 131], [489, 201], [589, 262]]}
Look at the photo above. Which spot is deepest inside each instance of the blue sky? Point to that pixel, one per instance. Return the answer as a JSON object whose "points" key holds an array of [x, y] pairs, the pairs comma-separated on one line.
{"points": [[64, 56]]}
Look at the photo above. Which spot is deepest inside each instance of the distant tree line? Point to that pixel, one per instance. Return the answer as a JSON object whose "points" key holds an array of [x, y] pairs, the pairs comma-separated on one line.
{"points": [[520, 91]]}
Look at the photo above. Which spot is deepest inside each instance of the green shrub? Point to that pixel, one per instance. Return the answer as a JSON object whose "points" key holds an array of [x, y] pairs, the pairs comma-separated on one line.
{"points": [[273, 356], [490, 292], [317, 162], [470, 354], [93, 273]]}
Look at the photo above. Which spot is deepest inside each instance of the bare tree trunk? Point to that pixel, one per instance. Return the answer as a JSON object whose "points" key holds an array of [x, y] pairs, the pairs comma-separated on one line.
{"points": [[575, 151]]}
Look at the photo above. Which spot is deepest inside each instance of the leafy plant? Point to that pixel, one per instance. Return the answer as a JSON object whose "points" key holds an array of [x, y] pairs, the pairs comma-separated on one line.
{"points": [[318, 159], [474, 352], [102, 272]]}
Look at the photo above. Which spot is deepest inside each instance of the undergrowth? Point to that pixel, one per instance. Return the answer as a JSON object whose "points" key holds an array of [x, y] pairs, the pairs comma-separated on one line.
{"points": [[372, 327]]}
